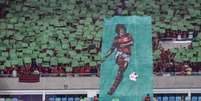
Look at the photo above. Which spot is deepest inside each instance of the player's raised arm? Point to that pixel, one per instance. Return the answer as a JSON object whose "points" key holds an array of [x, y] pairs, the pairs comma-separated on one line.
{"points": [[111, 50]]}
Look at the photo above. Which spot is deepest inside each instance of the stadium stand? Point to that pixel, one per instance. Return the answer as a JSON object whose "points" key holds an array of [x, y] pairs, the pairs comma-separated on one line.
{"points": [[67, 34], [56, 37]]}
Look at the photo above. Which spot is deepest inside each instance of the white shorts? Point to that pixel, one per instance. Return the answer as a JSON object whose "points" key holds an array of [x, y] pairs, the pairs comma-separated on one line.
{"points": [[124, 55]]}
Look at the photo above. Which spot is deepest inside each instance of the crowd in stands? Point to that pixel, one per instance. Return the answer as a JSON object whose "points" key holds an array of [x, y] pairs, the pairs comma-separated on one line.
{"points": [[147, 98], [177, 35], [48, 98], [166, 65], [156, 42], [49, 71], [3, 6]]}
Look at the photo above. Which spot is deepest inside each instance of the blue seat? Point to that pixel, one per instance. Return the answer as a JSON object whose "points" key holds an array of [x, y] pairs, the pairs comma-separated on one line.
{"points": [[2, 99], [51, 99], [70, 99], [172, 98], [199, 98], [186, 98], [178, 98], [194, 98], [57, 99], [159, 98], [165, 98], [64, 99], [15, 99], [77, 99], [91, 99], [8, 99]]}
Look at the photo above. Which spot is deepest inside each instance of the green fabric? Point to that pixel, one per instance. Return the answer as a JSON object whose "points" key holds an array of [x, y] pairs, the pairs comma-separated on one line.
{"points": [[141, 60]]}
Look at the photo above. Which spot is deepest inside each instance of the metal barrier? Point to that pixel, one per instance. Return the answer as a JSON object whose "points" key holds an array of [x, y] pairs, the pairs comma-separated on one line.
{"points": [[97, 74], [56, 75], [177, 74]]}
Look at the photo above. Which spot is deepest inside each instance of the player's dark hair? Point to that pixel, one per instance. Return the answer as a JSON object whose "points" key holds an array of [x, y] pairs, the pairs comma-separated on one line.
{"points": [[118, 26]]}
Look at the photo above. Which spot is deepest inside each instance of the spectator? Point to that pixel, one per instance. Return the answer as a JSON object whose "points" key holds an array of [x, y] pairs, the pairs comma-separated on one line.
{"points": [[20, 70], [172, 68], [36, 72], [119, 9], [125, 3], [199, 71], [95, 98], [155, 99], [188, 70], [179, 36], [3, 7], [34, 64], [2, 12], [7, 2], [156, 42], [14, 73], [147, 98], [60, 69]]}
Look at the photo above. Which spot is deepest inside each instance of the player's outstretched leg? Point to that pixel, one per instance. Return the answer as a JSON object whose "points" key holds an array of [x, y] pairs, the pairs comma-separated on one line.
{"points": [[118, 78], [116, 82]]}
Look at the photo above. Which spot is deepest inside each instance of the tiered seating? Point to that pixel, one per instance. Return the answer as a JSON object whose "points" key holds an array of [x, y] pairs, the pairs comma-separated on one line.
{"points": [[173, 15], [69, 99], [171, 98], [57, 32], [169, 63], [190, 54], [68, 32], [180, 18], [10, 99]]}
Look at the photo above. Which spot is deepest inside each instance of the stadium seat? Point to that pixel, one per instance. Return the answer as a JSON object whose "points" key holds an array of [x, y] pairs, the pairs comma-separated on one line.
{"points": [[194, 98], [178, 98], [77, 99], [165, 98], [199, 98], [187, 98], [70, 99], [171, 98], [2, 99], [51, 99], [57, 99], [64, 99], [14, 99], [8, 99], [70, 31]]}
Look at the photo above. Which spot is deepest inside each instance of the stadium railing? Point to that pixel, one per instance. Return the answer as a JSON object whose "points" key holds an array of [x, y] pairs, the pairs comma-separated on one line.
{"points": [[57, 75], [177, 74]]}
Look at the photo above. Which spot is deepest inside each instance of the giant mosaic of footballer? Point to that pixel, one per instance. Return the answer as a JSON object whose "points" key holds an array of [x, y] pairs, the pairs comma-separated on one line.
{"points": [[126, 74]]}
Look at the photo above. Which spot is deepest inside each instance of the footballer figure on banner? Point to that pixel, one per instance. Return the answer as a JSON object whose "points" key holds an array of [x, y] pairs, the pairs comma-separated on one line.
{"points": [[122, 45]]}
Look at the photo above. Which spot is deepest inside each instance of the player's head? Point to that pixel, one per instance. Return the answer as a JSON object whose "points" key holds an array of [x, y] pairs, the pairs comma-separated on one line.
{"points": [[120, 29]]}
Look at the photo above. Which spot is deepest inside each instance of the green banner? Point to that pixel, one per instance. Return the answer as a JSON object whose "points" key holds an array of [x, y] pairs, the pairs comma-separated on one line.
{"points": [[135, 80]]}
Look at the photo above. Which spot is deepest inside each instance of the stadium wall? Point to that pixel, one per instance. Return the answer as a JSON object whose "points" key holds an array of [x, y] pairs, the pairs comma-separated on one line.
{"points": [[91, 83]]}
